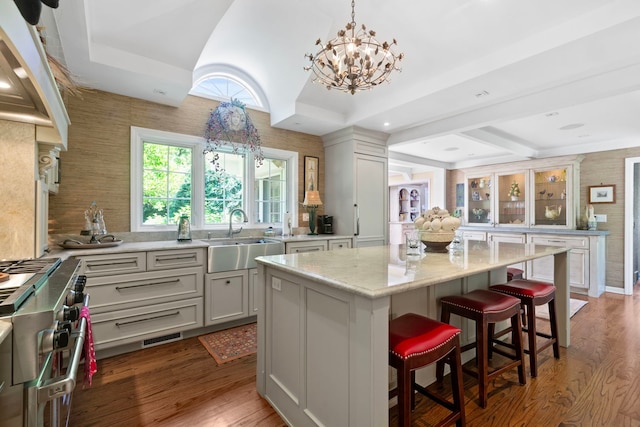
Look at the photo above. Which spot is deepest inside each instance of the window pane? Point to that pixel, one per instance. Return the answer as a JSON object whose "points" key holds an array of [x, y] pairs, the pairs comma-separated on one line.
{"points": [[166, 183], [223, 189], [270, 190]]}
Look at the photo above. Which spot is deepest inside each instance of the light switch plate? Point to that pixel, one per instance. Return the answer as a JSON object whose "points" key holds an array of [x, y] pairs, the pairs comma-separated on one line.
{"points": [[600, 217], [276, 284], [305, 216]]}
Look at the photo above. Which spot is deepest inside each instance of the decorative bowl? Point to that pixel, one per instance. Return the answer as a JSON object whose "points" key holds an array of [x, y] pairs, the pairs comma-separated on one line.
{"points": [[436, 241]]}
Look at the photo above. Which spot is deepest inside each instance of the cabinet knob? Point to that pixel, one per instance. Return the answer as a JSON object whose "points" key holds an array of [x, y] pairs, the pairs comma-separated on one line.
{"points": [[228, 281]]}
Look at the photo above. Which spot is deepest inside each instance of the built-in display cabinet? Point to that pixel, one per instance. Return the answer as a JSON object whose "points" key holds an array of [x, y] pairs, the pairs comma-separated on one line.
{"points": [[539, 194]]}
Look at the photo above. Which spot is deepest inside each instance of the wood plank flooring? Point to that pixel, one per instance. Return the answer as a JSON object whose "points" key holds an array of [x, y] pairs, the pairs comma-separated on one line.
{"points": [[596, 382]]}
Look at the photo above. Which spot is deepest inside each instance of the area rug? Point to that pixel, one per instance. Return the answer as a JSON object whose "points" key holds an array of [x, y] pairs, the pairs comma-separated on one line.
{"points": [[575, 305], [231, 344]]}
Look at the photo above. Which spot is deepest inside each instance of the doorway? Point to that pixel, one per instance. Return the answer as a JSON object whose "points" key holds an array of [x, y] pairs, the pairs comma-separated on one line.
{"points": [[631, 228]]}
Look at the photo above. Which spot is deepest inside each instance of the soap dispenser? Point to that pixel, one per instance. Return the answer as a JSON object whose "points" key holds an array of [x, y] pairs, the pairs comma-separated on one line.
{"points": [[184, 229]]}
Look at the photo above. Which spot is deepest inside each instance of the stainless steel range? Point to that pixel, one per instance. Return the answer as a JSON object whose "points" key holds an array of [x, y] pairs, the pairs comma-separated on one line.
{"points": [[41, 339]]}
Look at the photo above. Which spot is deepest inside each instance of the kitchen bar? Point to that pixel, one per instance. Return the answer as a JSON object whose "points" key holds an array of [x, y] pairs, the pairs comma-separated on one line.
{"points": [[323, 320]]}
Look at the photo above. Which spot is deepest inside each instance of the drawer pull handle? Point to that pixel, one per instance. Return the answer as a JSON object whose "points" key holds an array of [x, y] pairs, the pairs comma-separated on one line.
{"points": [[93, 265], [307, 250], [147, 319], [166, 282], [176, 258]]}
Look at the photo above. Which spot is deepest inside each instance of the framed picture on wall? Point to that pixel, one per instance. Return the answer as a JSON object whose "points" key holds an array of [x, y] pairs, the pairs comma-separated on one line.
{"points": [[602, 193], [311, 173]]}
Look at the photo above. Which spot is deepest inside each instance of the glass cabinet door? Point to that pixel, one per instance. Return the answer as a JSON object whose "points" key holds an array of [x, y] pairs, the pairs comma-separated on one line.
{"points": [[511, 197], [479, 199], [550, 197]]}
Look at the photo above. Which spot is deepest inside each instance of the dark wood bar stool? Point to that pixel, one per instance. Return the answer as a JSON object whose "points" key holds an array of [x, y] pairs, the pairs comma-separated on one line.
{"points": [[414, 342], [531, 294], [487, 308]]}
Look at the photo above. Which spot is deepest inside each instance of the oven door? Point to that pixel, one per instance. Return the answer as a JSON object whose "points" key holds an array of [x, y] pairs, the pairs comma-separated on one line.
{"points": [[49, 397]]}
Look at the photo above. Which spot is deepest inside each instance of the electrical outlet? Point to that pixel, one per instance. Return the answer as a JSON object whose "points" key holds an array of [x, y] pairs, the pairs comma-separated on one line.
{"points": [[600, 217], [305, 216], [276, 284]]}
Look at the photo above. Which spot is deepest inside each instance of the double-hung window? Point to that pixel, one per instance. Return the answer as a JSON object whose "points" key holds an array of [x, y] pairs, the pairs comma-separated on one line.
{"points": [[171, 177]]}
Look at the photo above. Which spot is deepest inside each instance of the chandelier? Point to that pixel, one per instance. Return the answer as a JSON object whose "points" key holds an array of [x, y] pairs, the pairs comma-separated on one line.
{"points": [[230, 126], [353, 61]]}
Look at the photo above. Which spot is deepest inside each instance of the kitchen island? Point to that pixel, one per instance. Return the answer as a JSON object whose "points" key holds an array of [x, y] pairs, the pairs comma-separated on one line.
{"points": [[323, 320]]}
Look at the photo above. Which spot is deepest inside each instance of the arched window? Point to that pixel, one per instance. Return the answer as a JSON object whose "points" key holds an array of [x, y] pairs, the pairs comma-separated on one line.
{"points": [[222, 85]]}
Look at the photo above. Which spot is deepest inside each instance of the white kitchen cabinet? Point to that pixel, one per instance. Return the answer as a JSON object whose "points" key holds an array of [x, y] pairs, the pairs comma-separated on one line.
{"points": [[317, 244], [586, 259], [509, 238], [339, 244], [254, 296], [226, 296], [144, 296], [356, 185], [305, 246], [540, 193]]}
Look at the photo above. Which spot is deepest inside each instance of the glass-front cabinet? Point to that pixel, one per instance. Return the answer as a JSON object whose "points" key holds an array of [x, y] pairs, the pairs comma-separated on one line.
{"points": [[497, 199], [541, 194], [551, 190], [479, 200], [512, 196]]}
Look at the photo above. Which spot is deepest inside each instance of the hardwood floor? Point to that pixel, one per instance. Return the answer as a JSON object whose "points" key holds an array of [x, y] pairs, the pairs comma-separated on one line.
{"points": [[596, 382]]}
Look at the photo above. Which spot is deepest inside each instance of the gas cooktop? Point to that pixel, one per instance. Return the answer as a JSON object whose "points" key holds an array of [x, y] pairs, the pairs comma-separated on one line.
{"points": [[22, 278]]}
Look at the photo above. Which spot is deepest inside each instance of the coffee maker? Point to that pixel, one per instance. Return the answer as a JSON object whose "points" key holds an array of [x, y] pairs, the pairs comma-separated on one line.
{"points": [[325, 224]]}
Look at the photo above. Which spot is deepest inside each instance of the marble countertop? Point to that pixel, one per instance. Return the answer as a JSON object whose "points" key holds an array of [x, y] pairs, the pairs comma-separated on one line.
{"points": [[385, 270], [158, 245]]}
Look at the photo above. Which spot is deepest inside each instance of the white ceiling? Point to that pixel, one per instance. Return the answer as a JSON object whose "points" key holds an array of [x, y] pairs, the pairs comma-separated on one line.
{"points": [[561, 77]]}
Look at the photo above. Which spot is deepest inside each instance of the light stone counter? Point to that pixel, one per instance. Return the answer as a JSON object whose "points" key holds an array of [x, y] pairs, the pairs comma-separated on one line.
{"points": [[379, 271], [323, 321]]}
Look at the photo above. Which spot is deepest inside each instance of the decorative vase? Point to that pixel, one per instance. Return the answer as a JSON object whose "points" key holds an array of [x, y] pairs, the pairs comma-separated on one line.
{"points": [[515, 198]]}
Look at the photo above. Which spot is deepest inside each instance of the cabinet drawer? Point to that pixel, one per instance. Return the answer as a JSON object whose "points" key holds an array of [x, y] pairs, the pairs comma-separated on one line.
{"points": [[136, 324], [132, 290], [507, 237], [478, 236], [102, 265], [339, 244], [559, 240], [162, 260], [300, 247]]}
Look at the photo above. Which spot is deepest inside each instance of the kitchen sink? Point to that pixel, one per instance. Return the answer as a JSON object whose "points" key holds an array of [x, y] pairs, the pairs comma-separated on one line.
{"points": [[240, 253]]}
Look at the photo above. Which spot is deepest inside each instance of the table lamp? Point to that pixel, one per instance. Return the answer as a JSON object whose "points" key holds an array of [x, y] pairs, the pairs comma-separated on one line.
{"points": [[311, 202]]}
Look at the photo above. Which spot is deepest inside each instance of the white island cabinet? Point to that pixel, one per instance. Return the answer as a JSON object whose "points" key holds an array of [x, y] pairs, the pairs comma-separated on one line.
{"points": [[323, 321]]}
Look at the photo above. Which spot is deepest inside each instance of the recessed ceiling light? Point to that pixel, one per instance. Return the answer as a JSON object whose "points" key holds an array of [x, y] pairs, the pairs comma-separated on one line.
{"points": [[4, 85], [482, 94], [386, 124], [572, 126], [451, 149]]}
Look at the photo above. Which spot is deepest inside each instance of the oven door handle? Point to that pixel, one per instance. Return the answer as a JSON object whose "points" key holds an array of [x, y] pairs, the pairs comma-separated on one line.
{"points": [[60, 386]]}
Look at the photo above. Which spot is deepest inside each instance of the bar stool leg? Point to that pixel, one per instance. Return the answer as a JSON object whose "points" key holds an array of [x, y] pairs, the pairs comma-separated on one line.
{"points": [[554, 327], [532, 334], [482, 354], [404, 404], [516, 337]]}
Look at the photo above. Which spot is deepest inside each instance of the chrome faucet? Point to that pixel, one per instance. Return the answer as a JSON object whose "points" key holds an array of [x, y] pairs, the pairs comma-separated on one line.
{"points": [[245, 218]]}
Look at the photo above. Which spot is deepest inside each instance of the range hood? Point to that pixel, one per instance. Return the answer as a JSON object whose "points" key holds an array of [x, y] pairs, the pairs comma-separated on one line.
{"points": [[32, 95]]}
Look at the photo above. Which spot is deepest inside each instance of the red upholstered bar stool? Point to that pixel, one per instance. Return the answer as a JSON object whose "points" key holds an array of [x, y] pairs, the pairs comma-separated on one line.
{"points": [[514, 273], [533, 293], [414, 342], [487, 308]]}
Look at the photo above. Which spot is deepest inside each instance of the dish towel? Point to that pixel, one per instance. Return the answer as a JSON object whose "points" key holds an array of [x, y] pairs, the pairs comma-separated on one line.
{"points": [[90, 363]]}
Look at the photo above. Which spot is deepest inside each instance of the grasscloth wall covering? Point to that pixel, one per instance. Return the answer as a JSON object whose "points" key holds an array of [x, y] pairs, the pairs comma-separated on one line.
{"points": [[606, 167], [96, 166]]}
